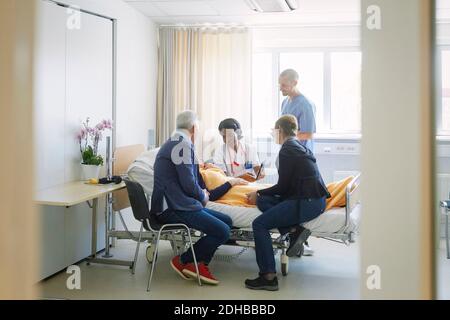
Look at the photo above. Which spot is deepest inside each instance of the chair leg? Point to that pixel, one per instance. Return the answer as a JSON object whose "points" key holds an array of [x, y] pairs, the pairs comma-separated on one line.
{"points": [[137, 249], [173, 244], [195, 258], [153, 261], [447, 240]]}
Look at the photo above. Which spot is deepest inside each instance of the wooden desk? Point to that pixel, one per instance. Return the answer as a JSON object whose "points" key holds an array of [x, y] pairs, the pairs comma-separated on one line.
{"points": [[77, 192]]}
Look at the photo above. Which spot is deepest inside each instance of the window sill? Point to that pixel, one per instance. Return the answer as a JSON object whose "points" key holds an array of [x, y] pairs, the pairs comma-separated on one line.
{"points": [[337, 137], [357, 137], [444, 139], [349, 137]]}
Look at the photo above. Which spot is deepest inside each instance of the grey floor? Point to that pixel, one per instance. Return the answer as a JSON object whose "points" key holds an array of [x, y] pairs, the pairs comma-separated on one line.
{"points": [[332, 273], [443, 273]]}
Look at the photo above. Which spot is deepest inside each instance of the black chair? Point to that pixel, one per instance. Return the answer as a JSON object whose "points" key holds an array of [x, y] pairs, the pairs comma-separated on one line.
{"points": [[141, 212]]}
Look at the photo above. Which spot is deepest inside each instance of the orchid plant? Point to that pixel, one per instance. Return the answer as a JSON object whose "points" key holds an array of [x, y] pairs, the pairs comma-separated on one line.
{"points": [[88, 138]]}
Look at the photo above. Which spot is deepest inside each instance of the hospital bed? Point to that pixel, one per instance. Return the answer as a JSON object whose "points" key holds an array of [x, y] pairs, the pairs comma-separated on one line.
{"points": [[337, 224]]}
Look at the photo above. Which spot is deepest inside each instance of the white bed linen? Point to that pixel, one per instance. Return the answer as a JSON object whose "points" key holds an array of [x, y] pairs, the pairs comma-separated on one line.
{"points": [[330, 221]]}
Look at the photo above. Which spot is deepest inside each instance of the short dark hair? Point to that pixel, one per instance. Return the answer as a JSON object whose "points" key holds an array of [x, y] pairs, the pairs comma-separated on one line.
{"points": [[229, 123], [288, 125]]}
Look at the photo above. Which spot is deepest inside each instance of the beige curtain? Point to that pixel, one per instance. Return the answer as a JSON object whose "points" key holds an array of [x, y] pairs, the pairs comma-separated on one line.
{"points": [[207, 70]]}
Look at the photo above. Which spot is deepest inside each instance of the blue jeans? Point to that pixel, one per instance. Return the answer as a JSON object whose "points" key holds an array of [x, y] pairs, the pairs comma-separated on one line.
{"points": [[282, 215], [214, 224]]}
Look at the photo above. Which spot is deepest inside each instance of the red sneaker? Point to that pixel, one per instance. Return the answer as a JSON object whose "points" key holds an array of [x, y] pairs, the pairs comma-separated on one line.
{"points": [[178, 267], [205, 274]]}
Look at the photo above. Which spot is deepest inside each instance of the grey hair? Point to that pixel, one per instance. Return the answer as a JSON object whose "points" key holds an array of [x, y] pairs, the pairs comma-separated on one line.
{"points": [[186, 120], [290, 74]]}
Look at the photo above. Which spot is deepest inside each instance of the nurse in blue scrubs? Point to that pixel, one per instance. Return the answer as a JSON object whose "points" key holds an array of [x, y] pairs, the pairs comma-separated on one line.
{"points": [[299, 106]]}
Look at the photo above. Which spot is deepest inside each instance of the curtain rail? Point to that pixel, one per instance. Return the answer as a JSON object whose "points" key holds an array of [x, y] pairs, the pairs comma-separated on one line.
{"points": [[258, 26]]}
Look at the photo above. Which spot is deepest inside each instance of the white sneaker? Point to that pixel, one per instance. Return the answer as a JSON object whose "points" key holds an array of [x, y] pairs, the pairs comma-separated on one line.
{"points": [[307, 250]]}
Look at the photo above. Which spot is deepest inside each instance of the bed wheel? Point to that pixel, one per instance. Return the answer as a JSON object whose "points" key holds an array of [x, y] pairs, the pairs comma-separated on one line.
{"points": [[149, 253], [351, 237], [284, 264]]}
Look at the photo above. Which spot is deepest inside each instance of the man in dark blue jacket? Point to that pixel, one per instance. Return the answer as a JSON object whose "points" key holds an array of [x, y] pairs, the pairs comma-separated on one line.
{"points": [[177, 182]]}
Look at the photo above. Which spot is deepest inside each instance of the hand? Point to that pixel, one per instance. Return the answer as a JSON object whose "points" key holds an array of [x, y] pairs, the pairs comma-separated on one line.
{"points": [[251, 198], [238, 182], [262, 174]]}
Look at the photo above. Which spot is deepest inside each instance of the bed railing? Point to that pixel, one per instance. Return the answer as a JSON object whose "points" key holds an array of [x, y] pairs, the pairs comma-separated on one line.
{"points": [[352, 197]]}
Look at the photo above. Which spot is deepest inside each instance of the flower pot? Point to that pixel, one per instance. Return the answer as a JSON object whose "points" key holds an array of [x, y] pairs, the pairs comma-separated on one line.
{"points": [[90, 171]]}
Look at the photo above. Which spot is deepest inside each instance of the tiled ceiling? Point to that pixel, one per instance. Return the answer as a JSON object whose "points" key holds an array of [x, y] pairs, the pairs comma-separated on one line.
{"points": [[237, 11]]}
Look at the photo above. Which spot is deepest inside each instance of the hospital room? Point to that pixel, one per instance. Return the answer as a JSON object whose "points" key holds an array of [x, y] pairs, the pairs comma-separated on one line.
{"points": [[258, 150]]}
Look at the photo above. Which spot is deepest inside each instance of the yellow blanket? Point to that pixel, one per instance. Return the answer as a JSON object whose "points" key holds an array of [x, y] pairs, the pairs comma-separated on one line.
{"points": [[337, 192], [237, 195]]}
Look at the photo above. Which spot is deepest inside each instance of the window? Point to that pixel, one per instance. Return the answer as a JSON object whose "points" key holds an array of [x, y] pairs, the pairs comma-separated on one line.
{"points": [[309, 66], [332, 80], [445, 66], [329, 78], [345, 91]]}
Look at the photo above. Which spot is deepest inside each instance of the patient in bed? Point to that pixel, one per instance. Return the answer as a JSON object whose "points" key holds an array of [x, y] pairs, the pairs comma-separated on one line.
{"points": [[214, 178]]}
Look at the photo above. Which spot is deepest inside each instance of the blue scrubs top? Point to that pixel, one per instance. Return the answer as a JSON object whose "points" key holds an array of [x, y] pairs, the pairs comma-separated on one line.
{"points": [[304, 110]]}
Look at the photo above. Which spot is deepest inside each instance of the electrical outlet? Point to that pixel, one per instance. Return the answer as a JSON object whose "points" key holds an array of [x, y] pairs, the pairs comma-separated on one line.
{"points": [[338, 148]]}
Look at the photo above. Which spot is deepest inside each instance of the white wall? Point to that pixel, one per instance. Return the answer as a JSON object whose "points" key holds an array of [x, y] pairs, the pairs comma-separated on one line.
{"points": [[136, 68], [135, 115]]}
